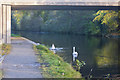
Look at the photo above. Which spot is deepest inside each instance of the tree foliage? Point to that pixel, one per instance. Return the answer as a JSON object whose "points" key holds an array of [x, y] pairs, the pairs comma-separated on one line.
{"points": [[108, 18], [86, 22]]}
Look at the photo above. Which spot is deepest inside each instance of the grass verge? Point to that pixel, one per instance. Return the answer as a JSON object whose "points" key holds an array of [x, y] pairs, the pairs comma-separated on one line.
{"points": [[5, 49], [15, 35], [56, 67]]}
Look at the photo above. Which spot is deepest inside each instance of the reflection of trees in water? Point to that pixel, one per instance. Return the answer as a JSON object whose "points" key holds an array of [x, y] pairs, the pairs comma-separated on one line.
{"points": [[106, 52], [108, 55]]}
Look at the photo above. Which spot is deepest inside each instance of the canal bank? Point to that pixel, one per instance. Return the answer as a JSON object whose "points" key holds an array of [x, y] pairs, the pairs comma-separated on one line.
{"points": [[4, 50], [53, 66], [20, 63], [24, 62]]}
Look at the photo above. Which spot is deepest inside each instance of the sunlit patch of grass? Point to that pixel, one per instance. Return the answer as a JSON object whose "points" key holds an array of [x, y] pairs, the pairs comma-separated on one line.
{"points": [[57, 67], [5, 49]]}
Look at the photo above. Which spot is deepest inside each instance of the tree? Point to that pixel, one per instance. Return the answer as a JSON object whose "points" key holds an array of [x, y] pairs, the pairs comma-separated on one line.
{"points": [[107, 18]]}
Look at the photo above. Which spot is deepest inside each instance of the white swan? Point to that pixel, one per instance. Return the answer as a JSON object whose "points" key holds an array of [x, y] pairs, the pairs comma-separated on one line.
{"points": [[75, 54], [53, 47]]}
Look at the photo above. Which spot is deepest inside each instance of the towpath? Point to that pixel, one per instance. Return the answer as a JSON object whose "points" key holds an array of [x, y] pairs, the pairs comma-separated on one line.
{"points": [[22, 61]]}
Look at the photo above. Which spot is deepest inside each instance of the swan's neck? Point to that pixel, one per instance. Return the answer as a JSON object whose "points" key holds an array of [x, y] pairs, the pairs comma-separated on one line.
{"points": [[73, 49]]}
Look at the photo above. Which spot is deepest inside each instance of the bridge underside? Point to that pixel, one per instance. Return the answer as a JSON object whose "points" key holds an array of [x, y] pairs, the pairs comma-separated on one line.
{"points": [[7, 5], [63, 7]]}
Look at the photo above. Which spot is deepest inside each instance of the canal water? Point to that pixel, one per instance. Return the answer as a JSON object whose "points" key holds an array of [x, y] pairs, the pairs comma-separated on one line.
{"points": [[100, 54]]}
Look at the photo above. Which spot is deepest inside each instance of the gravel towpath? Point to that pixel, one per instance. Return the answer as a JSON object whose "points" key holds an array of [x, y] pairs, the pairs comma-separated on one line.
{"points": [[21, 62]]}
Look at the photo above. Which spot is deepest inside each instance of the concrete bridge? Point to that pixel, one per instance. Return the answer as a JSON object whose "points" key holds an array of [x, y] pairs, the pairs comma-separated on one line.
{"points": [[7, 5]]}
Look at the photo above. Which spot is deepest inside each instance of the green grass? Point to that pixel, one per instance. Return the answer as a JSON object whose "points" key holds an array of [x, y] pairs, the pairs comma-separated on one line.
{"points": [[15, 35], [57, 68], [5, 49]]}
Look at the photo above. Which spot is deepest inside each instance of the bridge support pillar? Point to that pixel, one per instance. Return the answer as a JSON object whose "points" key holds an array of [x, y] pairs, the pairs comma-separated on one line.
{"points": [[4, 16], [5, 24], [0, 23], [8, 24]]}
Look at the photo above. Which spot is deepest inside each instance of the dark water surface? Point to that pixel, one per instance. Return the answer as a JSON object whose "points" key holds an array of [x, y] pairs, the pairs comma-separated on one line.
{"points": [[100, 54]]}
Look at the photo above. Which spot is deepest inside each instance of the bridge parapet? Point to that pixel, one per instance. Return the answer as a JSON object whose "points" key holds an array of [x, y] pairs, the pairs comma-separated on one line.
{"points": [[63, 2]]}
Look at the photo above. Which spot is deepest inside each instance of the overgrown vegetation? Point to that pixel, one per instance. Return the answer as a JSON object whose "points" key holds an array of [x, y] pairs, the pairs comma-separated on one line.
{"points": [[53, 65], [78, 64], [87, 22], [5, 49]]}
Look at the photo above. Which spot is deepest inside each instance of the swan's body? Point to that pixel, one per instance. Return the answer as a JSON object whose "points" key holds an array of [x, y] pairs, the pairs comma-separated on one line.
{"points": [[53, 47], [37, 44], [75, 54]]}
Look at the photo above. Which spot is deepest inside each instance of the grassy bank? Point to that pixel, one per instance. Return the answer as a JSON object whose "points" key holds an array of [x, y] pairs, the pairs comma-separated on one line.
{"points": [[5, 49], [53, 66]]}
